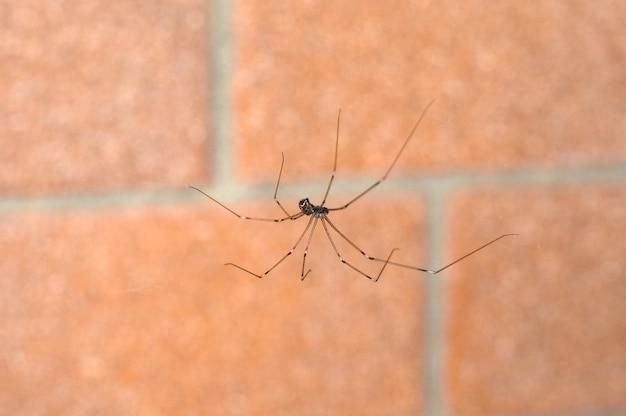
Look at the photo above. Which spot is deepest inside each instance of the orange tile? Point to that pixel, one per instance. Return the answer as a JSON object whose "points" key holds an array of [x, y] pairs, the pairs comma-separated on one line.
{"points": [[516, 84], [102, 95], [536, 324], [132, 312]]}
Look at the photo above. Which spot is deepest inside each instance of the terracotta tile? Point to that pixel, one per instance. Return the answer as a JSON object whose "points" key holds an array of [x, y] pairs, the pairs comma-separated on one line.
{"points": [[516, 84], [536, 324], [102, 95], [133, 312]]}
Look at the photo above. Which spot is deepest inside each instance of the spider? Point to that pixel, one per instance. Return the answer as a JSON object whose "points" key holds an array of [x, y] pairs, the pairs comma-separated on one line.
{"points": [[320, 214]]}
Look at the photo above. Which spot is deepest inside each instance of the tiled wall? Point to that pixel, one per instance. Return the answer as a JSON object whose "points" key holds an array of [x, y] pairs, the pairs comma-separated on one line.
{"points": [[114, 297]]}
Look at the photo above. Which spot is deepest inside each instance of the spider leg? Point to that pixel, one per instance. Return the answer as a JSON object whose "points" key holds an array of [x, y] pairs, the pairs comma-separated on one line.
{"points": [[243, 217], [378, 182], [431, 271], [289, 253], [332, 175], [280, 173], [334, 227], [453, 262], [306, 250], [344, 261]]}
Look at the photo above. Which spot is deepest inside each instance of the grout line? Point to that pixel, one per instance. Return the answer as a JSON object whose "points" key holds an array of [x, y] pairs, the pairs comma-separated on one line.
{"points": [[96, 200], [227, 190], [433, 340], [220, 37]]}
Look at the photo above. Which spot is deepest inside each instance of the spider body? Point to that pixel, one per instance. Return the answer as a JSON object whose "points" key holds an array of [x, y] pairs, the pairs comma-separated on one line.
{"points": [[307, 208], [319, 213]]}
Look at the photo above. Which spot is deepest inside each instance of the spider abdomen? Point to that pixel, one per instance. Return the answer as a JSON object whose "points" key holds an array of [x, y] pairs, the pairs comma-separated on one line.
{"points": [[307, 208]]}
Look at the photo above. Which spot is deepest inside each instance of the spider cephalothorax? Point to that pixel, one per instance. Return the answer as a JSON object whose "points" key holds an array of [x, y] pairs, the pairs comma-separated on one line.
{"points": [[308, 208], [319, 213]]}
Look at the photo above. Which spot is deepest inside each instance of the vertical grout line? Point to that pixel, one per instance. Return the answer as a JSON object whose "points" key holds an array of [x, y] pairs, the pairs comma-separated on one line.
{"points": [[433, 307], [219, 56]]}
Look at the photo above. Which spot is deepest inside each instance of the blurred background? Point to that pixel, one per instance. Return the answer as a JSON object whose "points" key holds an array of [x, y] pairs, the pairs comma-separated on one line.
{"points": [[114, 299]]}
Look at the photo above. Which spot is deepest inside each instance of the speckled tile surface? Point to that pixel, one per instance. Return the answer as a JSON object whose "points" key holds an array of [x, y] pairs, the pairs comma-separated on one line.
{"points": [[536, 324], [132, 312], [114, 297], [102, 95], [516, 84]]}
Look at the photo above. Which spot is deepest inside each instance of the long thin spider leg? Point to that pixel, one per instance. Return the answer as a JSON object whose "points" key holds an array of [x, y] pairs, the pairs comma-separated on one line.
{"points": [[435, 271], [460, 258], [280, 173], [378, 182], [431, 271], [243, 217], [289, 253], [363, 252], [344, 261], [332, 175], [306, 250]]}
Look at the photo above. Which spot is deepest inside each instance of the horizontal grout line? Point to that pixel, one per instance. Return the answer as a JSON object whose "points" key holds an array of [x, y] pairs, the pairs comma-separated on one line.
{"points": [[451, 181], [227, 191], [96, 200]]}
